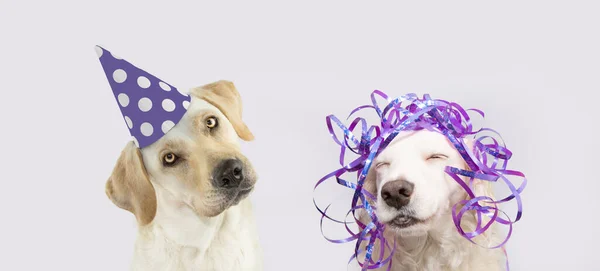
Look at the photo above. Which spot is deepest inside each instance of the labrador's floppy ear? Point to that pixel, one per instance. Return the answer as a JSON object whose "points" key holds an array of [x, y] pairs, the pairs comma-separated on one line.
{"points": [[223, 95], [129, 187]]}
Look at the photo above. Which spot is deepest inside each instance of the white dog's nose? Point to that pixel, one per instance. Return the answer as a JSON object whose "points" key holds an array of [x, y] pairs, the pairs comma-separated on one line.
{"points": [[397, 193]]}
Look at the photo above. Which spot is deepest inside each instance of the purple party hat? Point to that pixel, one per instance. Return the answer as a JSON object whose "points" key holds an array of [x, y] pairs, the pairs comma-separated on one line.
{"points": [[150, 106]]}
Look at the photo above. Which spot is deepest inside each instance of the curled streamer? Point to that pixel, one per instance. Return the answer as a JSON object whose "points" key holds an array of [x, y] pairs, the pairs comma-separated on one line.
{"points": [[406, 113]]}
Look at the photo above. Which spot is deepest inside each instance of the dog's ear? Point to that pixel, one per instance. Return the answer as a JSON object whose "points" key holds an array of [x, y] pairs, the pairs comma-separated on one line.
{"points": [[223, 95], [129, 187], [370, 185], [483, 188], [480, 187]]}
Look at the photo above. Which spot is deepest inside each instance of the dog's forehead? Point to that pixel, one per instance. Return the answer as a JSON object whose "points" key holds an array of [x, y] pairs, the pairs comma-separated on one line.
{"points": [[198, 108], [413, 142]]}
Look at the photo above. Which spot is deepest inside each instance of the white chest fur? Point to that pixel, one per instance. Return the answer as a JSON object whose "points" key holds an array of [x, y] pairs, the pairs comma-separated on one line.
{"points": [[178, 239]]}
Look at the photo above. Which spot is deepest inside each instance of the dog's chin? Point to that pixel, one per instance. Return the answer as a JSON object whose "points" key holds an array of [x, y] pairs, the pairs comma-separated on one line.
{"points": [[408, 225], [227, 199]]}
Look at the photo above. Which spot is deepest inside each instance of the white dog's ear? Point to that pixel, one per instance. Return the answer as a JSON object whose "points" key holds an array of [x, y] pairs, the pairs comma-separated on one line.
{"points": [[223, 95], [129, 187], [370, 185], [480, 187], [483, 188]]}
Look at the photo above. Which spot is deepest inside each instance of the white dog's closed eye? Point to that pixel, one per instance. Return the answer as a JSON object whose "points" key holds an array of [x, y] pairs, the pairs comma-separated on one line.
{"points": [[437, 156]]}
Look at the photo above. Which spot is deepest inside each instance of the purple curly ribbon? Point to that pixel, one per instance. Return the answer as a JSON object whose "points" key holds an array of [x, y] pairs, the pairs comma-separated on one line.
{"points": [[409, 112]]}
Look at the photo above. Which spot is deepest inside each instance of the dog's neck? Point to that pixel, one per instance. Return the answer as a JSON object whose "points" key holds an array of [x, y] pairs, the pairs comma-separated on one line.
{"points": [[179, 239], [442, 248], [177, 222]]}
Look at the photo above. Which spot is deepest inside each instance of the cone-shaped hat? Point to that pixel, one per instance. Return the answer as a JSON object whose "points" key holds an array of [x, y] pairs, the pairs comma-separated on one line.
{"points": [[150, 106]]}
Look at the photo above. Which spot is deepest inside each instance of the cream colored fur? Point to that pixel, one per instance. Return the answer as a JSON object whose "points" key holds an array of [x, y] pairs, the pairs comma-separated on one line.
{"points": [[184, 222], [435, 244], [178, 239]]}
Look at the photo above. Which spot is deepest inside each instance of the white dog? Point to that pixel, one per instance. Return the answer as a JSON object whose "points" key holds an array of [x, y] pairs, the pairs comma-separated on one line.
{"points": [[414, 200], [189, 190]]}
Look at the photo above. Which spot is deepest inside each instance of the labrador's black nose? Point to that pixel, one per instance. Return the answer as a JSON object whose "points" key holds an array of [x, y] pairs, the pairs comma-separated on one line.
{"points": [[397, 193], [229, 174]]}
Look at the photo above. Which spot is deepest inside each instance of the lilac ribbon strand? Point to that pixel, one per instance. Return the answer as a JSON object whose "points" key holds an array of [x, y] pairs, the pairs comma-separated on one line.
{"points": [[486, 162]]}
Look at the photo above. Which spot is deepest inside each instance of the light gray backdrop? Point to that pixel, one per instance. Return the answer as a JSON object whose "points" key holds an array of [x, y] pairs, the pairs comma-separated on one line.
{"points": [[531, 65]]}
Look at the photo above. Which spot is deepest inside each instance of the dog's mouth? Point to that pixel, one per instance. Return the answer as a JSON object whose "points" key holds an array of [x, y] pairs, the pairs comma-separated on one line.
{"points": [[241, 194], [404, 221], [218, 201]]}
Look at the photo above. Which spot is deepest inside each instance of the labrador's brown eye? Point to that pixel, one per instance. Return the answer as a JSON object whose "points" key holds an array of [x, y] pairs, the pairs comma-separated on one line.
{"points": [[211, 122], [170, 159]]}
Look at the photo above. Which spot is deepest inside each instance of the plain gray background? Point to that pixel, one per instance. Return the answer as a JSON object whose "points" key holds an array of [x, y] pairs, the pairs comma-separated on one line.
{"points": [[533, 66]]}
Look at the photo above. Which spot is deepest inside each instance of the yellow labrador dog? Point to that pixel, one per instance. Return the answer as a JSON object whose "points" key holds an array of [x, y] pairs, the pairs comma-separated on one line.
{"points": [[189, 190]]}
